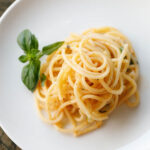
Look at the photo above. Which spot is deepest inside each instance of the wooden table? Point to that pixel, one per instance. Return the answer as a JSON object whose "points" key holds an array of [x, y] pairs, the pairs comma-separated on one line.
{"points": [[5, 142]]}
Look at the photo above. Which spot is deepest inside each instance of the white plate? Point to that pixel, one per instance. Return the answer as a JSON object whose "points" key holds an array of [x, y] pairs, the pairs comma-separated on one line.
{"points": [[53, 20]]}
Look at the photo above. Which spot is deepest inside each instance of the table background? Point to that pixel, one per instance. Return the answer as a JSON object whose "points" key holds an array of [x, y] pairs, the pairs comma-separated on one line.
{"points": [[5, 142]]}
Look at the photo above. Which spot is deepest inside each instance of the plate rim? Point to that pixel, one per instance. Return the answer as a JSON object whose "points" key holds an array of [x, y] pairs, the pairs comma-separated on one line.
{"points": [[2, 18]]}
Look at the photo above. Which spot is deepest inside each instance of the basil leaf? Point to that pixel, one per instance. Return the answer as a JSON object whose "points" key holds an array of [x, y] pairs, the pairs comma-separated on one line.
{"points": [[43, 79], [121, 49], [30, 74], [23, 58], [29, 44], [27, 41], [35, 44], [24, 40], [47, 50]]}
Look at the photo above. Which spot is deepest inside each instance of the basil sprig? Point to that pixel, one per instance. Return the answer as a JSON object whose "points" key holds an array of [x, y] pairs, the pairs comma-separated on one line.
{"points": [[31, 72]]}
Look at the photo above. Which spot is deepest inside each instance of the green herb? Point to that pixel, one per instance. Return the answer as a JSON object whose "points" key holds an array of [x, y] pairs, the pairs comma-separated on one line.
{"points": [[29, 44], [30, 74], [47, 50], [23, 58], [43, 79], [27, 41], [121, 49]]}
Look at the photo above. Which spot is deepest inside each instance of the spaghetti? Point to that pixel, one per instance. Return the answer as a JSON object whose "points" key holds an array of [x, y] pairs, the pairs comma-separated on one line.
{"points": [[87, 78]]}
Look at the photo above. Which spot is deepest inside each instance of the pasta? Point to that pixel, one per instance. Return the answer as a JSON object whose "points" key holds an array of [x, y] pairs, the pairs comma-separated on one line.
{"points": [[87, 78]]}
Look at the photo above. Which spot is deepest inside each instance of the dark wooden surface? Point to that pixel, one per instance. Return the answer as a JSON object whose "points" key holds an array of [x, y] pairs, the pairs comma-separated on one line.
{"points": [[4, 4], [5, 142]]}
